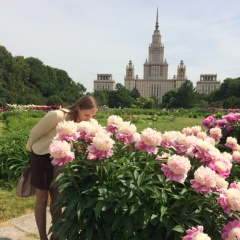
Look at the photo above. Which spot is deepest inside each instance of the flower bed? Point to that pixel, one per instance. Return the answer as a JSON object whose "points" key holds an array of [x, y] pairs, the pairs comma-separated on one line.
{"points": [[119, 184]]}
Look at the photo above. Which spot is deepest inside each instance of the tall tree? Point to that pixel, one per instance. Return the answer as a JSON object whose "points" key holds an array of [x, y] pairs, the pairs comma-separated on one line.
{"points": [[120, 98]]}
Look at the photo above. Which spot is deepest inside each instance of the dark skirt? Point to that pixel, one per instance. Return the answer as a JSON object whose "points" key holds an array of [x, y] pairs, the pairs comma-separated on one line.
{"points": [[41, 171]]}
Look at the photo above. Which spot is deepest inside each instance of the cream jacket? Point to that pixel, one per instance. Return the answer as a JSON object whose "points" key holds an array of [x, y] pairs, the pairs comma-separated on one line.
{"points": [[44, 131]]}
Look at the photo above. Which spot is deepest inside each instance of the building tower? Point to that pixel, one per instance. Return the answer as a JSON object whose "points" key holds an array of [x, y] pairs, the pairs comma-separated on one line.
{"points": [[130, 77], [155, 82], [181, 71], [155, 67]]}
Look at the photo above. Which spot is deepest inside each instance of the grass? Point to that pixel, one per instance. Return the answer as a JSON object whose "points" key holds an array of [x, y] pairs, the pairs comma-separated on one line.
{"points": [[12, 206], [178, 124]]}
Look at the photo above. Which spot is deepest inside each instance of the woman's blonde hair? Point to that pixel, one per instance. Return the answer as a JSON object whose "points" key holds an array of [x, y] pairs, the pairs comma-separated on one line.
{"points": [[85, 102]]}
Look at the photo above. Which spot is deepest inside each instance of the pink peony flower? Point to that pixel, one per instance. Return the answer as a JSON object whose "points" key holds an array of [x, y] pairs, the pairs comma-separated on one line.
{"points": [[113, 123], [126, 132], [61, 152], [59, 149], [231, 231], [168, 138], [233, 197], [205, 151], [196, 130], [114, 120], [179, 164], [204, 180], [173, 176], [236, 156], [223, 201], [67, 130], [221, 165], [101, 146], [151, 137], [184, 145], [145, 148], [221, 183], [215, 133], [231, 142], [235, 185], [196, 234], [202, 135], [177, 168]]}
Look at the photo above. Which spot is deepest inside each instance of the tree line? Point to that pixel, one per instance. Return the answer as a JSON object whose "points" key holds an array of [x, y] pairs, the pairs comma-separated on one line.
{"points": [[29, 81]]}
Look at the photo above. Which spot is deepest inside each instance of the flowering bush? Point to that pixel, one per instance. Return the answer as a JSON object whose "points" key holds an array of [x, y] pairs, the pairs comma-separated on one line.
{"points": [[119, 184]]}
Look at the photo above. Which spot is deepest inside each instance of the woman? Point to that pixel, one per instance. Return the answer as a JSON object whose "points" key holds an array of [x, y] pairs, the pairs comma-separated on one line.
{"points": [[42, 171]]}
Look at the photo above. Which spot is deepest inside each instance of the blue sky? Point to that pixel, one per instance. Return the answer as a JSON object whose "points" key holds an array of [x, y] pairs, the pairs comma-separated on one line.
{"points": [[85, 38]]}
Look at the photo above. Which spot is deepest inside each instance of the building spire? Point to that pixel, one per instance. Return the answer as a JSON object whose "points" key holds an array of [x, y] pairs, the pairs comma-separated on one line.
{"points": [[157, 21]]}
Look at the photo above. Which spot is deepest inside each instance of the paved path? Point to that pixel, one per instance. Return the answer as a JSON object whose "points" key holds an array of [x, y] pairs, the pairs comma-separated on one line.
{"points": [[22, 228]]}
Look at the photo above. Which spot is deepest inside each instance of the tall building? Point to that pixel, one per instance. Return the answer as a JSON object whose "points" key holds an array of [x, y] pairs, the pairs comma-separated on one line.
{"points": [[155, 80], [207, 83], [104, 82]]}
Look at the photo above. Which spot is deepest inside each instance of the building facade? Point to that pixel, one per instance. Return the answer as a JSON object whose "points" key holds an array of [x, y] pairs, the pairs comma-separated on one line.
{"points": [[104, 82], [155, 80], [207, 83]]}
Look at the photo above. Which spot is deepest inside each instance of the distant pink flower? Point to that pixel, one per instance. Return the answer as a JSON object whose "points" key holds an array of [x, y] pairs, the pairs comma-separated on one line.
{"points": [[220, 123], [231, 231], [196, 234], [176, 168], [231, 117], [229, 128], [208, 121]]}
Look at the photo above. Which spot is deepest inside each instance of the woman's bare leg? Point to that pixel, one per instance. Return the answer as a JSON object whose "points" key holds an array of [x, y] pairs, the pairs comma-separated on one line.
{"points": [[40, 212], [55, 214]]}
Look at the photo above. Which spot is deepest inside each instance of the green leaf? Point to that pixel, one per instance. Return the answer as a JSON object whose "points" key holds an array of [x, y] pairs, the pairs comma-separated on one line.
{"points": [[178, 228], [98, 208]]}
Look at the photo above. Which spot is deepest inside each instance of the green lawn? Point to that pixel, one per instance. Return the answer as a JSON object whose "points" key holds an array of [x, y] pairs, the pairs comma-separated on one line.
{"points": [[12, 206], [164, 125]]}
